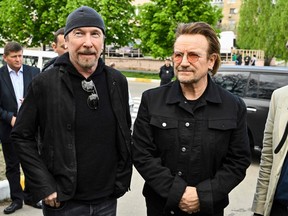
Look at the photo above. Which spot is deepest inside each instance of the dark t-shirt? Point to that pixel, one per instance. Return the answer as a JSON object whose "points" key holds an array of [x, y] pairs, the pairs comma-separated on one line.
{"points": [[95, 140]]}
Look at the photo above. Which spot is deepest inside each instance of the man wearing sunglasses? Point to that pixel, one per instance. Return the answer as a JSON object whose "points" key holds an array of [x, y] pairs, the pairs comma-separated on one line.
{"points": [[80, 108], [190, 140]]}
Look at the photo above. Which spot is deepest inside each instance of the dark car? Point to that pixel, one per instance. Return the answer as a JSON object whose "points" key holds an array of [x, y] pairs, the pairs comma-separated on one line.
{"points": [[254, 85]]}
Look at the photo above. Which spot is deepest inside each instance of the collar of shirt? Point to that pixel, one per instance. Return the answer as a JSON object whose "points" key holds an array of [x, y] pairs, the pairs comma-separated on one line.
{"points": [[11, 70]]}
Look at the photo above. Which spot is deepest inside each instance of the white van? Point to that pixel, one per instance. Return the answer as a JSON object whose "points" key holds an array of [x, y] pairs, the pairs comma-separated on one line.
{"points": [[36, 58]]}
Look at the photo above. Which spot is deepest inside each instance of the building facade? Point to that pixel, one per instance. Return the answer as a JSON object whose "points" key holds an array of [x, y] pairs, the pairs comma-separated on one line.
{"points": [[230, 11]]}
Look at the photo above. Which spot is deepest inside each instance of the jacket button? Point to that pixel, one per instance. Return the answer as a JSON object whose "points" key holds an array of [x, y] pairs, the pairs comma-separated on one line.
{"points": [[179, 173], [69, 126], [183, 149], [164, 124], [187, 124], [172, 212]]}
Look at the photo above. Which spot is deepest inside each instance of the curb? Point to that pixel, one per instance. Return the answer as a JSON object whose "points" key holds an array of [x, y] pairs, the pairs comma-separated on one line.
{"points": [[4, 190], [143, 80]]}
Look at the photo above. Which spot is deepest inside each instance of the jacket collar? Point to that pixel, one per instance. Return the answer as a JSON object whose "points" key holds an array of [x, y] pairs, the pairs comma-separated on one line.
{"points": [[212, 93]]}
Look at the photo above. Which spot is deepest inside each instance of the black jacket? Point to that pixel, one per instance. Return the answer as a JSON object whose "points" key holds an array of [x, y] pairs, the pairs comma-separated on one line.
{"points": [[8, 102], [166, 73], [49, 64], [175, 146], [51, 106]]}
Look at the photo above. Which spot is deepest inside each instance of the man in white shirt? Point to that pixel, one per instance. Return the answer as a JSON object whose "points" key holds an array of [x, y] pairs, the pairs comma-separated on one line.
{"points": [[14, 80]]}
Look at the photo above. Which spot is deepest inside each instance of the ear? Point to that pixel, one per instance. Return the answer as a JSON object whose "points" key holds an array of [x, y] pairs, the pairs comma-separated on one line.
{"points": [[4, 57], [211, 60], [54, 45]]}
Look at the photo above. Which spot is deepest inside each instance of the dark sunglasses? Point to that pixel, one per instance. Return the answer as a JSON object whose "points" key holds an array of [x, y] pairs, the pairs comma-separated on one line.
{"points": [[93, 99]]}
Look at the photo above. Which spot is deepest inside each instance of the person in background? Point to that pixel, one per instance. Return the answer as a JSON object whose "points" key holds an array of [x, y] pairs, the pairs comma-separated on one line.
{"points": [[14, 80], [271, 196], [59, 46], [253, 60], [166, 73], [247, 60], [239, 59], [234, 57], [80, 107], [190, 141]]}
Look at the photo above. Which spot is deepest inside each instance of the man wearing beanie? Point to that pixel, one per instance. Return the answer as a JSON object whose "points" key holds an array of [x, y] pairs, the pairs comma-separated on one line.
{"points": [[80, 108]]}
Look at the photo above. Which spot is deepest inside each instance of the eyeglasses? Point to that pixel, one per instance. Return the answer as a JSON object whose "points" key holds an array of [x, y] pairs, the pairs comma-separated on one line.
{"points": [[93, 99], [191, 57]]}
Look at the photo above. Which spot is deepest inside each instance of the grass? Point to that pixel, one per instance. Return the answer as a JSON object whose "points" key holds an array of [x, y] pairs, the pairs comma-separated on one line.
{"points": [[141, 75]]}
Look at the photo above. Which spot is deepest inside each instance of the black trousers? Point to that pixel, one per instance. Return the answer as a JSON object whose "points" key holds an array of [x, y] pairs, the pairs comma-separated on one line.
{"points": [[279, 209], [13, 173]]}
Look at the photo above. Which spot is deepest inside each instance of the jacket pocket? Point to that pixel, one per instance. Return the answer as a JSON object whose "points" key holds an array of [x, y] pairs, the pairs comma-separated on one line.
{"points": [[164, 131], [222, 125], [219, 132]]}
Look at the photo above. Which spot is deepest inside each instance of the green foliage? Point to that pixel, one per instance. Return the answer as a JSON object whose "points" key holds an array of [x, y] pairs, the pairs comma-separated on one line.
{"points": [[158, 19], [264, 26], [29, 22], [32, 22]]}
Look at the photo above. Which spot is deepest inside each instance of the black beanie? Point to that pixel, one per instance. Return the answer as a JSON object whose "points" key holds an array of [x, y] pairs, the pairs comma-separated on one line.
{"points": [[84, 17]]}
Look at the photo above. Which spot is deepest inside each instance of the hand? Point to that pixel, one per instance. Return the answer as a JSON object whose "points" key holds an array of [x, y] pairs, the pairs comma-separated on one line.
{"points": [[190, 202], [13, 120], [51, 200]]}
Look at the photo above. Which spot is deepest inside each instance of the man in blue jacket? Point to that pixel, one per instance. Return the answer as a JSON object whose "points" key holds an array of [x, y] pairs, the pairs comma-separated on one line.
{"points": [[190, 139], [80, 107]]}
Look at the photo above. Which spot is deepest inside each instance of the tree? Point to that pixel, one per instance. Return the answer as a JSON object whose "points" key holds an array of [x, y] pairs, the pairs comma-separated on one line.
{"points": [[32, 22], [157, 20], [279, 26], [248, 31], [118, 16], [263, 25]]}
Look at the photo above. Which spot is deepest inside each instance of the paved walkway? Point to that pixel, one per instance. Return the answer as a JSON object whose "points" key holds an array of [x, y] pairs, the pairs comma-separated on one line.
{"points": [[25, 211]]}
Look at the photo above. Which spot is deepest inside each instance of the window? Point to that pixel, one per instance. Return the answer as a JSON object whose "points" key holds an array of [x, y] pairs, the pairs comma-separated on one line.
{"points": [[2, 62], [232, 82], [262, 85], [252, 89], [268, 83], [232, 11], [30, 60]]}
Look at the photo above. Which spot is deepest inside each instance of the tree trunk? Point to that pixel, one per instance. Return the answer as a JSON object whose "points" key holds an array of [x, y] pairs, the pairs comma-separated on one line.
{"points": [[267, 61]]}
